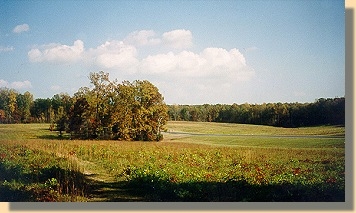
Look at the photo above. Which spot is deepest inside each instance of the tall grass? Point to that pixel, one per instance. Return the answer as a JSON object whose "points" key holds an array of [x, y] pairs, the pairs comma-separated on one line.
{"points": [[38, 175], [308, 170], [172, 171]]}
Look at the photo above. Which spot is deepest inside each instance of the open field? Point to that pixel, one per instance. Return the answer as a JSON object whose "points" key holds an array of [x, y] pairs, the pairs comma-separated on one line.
{"points": [[248, 129], [36, 166], [243, 135]]}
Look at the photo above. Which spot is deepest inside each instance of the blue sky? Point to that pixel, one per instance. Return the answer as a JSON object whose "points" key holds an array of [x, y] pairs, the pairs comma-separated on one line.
{"points": [[195, 52]]}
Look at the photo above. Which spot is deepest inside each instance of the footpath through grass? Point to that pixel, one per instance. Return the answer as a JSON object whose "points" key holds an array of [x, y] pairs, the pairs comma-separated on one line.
{"points": [[35, 166]]}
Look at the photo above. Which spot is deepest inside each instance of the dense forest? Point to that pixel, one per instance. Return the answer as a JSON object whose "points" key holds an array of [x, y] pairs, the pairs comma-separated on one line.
{"points": [[330, 111], [136, 111]]}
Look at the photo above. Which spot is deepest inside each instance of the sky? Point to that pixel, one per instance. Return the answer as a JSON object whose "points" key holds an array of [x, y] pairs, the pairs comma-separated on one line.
{"points": [[194, 52]]}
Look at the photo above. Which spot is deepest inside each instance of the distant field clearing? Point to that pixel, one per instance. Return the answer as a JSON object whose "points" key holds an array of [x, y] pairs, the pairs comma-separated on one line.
{"points": [[248, 129], [254, 135]]}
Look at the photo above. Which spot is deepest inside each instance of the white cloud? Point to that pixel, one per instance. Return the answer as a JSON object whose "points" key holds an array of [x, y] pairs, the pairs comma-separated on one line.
{"points": [[160, 63], [21, 28], [57, 52], [6, 49], [114, 54], [214, 74], [35, 55], [211, 62], [221, 59], [142, 38], [178, 39], [16, 84]]}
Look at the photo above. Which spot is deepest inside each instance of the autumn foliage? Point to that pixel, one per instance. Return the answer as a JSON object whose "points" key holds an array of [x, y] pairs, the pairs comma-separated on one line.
{"points": [[109, 110]]}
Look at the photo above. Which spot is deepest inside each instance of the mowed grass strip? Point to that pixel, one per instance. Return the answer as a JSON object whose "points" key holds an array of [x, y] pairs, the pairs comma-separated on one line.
{"points": [[248, 129], [26, 131], [241, 141], [245, 135]]}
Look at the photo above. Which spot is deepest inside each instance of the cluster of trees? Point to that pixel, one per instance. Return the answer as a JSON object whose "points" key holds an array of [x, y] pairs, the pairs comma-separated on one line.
{"points": [[22, 108], [15, 107], [108, 110], [330, 111]]}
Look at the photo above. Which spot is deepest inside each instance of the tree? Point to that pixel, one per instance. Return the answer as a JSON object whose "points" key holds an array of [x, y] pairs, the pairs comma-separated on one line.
{"points": [[41, 110], [77, 119], [128, 111], [8, 103], [173, 112], [185, 114], [122, 117], [62, 120], [150, 112], [24, 103]]}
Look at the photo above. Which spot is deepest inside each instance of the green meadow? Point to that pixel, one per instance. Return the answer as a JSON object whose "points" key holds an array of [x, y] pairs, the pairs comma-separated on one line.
{"points": [[196, 161]]}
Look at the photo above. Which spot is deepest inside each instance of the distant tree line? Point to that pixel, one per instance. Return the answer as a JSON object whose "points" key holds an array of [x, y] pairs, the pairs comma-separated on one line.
{"points": [[107, 110], [330, 111]]}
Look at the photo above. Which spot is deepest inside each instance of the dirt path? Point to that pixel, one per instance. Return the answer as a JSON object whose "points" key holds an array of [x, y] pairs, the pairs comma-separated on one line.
{"points": [[102, 186]]}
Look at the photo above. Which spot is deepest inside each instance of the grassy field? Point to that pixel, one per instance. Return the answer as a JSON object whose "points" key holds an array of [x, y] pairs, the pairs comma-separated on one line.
{"points": [[36, 166], [247, 129], [243, 135]]}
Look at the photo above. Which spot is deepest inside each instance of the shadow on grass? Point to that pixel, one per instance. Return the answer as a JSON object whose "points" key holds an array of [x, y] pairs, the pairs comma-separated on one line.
{"points": [[39, 186], [120, 191], [237, 191], [8, 194], [53, 184]]}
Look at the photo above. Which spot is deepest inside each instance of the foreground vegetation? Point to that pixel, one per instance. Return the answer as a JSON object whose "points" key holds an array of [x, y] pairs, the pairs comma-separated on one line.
{"points": [[36, 166]]}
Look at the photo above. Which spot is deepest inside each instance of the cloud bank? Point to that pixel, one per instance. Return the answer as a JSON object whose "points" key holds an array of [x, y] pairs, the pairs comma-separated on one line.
{"points": [[57, 52], [178, 39], [123, 56], [142, 38], [167, 58], [211, 62], [114, 55]]}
